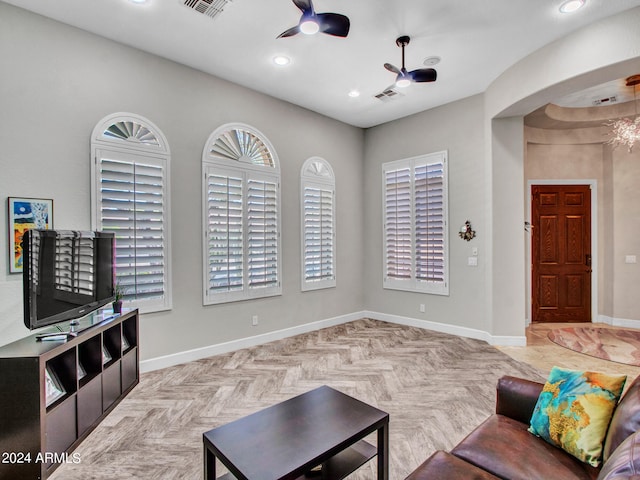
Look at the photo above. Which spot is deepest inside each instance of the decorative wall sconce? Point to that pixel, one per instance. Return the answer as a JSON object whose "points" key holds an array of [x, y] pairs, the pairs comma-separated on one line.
{"points": [[466, 232]]}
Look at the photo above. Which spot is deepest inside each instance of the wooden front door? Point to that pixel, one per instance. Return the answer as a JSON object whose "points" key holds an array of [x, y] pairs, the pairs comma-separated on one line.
{"points": [[561, 253]]}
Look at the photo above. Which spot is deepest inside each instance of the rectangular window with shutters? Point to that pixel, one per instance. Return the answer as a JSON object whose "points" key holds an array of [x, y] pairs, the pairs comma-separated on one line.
{"points": [[318, 220], [132, 203], [318, 224], [415, 224], [242, 244]]}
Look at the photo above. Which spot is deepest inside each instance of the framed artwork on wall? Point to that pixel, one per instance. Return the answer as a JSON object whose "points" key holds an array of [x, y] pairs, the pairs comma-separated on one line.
{"points": [[25, 214]]}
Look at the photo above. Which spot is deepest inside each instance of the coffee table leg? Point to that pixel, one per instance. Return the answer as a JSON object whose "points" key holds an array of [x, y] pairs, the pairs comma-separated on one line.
{"points": [[383, 452], [209, 465]]}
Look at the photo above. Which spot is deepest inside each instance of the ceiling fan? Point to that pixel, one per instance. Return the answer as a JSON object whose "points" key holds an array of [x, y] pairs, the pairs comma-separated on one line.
{"points": [[312, 22], [404, 78]]}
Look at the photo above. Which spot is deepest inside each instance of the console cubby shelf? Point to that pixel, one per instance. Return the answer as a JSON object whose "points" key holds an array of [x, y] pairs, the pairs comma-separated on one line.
{"points": [[54, 393]]}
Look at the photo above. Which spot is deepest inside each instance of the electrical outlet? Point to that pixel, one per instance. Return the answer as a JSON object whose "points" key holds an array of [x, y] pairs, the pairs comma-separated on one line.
{"points": [[254, 320], [422, 308]]}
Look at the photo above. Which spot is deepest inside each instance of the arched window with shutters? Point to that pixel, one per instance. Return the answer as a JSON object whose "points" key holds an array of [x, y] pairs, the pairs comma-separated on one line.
{"points": [[241, 216], [130, 197], [317, 190]]}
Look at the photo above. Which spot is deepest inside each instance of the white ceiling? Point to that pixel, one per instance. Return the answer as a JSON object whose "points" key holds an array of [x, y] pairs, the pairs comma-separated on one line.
{"points": [[477, 41]]}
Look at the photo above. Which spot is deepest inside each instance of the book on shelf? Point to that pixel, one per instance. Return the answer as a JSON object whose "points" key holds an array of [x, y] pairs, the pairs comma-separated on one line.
{"points": [[53, 388], [314, 472], [106, 356], [81, 371]]}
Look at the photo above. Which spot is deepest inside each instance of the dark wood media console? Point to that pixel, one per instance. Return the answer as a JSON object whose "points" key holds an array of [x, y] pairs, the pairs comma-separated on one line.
{"points": [[54, 393]]}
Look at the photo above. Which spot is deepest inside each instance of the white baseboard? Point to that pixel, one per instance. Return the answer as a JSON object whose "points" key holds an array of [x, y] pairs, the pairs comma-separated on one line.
{"points": [[217, 349], [619, 322], [220, 348], [502, 340]]}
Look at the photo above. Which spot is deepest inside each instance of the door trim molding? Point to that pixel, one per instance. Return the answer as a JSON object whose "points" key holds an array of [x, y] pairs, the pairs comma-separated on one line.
{"points": [[593, 184]]}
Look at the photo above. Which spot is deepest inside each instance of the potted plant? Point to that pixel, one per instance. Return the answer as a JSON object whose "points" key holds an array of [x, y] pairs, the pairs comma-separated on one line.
{"points": [[118, 293]]}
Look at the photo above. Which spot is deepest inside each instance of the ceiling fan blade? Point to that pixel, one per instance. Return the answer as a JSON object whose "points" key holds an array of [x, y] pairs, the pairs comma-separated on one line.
{"points": [[333, 24], [423, 75], [290, 33], [392, 68], [305, 5]]}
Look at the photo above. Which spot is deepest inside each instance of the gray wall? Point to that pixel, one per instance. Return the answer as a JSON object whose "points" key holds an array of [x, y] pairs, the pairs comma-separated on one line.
{"points": [[458, 128], [58, 82]]}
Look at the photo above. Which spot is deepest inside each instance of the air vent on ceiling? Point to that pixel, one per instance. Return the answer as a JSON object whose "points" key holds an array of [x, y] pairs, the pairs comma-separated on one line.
{"points": [[210, 8], [388, 94], [605, 101]]}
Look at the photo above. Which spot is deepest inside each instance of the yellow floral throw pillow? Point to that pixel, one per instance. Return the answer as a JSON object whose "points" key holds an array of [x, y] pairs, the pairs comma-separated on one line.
{"points": [[574, 410]]}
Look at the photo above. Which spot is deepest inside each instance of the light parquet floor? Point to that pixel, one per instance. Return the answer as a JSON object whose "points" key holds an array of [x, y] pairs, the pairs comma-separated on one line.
{"points": [[436, 388]]}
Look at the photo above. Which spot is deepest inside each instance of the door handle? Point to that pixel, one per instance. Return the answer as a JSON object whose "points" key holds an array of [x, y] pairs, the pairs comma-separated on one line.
{"points": [[587, 260]]}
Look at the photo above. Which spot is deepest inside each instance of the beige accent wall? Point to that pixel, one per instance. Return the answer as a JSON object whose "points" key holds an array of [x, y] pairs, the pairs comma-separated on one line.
{"points": [[626, 233], [598, 53], [580, 154]]}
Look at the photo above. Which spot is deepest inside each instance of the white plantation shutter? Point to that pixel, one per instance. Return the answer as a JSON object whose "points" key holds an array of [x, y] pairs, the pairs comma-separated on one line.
{"points": [[130, 200], [429, 222], [398, 224], [225, 239], [262, 234], [132, 206], [318, 234], [318, 225], [241, 225], [415, 224]]}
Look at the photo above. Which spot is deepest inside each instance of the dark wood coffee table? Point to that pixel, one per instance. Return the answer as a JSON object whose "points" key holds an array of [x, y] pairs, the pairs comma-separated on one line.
{"points": [[284, 442]]}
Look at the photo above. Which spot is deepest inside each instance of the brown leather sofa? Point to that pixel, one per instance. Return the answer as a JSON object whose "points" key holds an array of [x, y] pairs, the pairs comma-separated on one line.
{"points": [[501, 447]]}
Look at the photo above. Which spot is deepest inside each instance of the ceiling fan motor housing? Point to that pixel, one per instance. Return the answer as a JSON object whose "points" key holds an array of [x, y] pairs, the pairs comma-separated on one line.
{"points": [[403, 41]]}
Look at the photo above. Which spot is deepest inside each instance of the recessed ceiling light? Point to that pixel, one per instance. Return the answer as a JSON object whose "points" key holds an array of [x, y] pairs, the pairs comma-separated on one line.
{"points": [[571, 6], [354, 93], [138, 2], [431, 61], [281, 60]]}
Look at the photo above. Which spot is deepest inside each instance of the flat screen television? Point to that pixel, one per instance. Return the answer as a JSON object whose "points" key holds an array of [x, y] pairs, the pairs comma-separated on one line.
{"points": [[66, 274]]}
